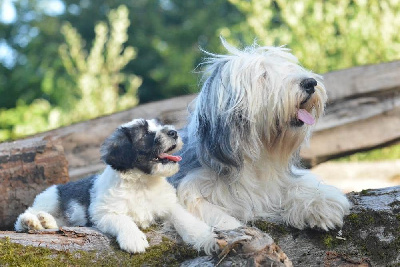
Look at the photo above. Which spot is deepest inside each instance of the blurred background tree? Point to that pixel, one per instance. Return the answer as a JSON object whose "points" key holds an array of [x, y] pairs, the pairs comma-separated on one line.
{"points": [[92, 84], [327, 35], [99, 85], [54, 53]]}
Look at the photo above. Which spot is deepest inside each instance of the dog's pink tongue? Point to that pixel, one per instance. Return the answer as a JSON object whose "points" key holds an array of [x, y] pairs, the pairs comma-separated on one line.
{"points": [[305, 117], [170, 157]]}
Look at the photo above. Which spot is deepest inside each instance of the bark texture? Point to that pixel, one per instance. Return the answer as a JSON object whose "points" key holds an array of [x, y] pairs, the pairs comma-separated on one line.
{"points": [[27, 167]]}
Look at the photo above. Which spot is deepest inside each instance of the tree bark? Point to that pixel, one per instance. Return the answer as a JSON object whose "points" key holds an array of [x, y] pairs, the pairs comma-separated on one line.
{"points": [[27, 167]]}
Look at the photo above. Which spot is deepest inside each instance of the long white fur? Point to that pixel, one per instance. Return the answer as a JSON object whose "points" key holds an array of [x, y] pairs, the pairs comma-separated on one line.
{"points": [[262, 84]]}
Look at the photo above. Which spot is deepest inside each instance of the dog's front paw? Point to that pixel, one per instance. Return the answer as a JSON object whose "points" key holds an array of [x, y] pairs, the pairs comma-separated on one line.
{"points": [[323, 209], [329, 213], [47, 220], [133, 243], [28, 221]]}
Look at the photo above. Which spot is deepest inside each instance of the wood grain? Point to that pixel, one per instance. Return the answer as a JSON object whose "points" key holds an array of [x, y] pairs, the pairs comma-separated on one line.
{"points": [[362, 80]]}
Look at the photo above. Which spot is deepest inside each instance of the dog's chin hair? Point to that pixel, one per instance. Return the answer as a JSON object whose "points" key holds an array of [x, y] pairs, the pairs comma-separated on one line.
{"points": [[165, 170]]}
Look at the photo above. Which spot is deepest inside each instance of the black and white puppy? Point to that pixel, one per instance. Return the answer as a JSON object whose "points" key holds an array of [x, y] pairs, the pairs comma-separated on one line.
{"points": [[132, 192]]}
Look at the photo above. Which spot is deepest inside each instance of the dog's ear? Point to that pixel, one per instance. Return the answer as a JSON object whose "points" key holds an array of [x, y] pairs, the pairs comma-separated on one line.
{"points": [[219, 146], [118, 151], [223, 127]]}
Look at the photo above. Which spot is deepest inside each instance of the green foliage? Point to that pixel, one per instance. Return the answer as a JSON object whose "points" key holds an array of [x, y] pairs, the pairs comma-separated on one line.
{"points": [[97, 85], [168, 42], [58, 70], [26, 119], [97, 75], [387, 153], [327, 35], [167, 36]]}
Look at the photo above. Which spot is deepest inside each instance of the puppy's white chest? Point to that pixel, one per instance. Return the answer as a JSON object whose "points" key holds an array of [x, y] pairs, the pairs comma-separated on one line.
{"points": [[146, 205]]}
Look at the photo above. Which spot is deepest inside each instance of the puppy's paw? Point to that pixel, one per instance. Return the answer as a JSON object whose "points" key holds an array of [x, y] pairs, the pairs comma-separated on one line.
{"points": [[28, 221], [133, 243], [47, 220]]}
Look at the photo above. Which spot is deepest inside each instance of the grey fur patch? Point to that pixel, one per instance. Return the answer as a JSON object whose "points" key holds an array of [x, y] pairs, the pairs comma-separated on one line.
{"points": [[78, 191], [211, 139], [189, 160]]}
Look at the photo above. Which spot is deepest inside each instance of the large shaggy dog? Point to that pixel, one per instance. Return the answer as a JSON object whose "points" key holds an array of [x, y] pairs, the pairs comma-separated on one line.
{"points": [[132, 192], [257, 107]]}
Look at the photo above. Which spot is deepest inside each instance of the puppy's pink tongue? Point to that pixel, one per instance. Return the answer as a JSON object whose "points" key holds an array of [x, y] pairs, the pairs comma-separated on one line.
{"points": [[305, 117], [170, 157]]}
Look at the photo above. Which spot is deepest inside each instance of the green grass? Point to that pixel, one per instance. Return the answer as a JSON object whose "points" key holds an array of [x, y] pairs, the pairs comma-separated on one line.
{"points": [[387, 153]]}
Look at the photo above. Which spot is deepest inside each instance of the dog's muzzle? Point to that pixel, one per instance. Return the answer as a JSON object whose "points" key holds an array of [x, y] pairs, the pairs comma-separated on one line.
{"points": [[303, 116]]}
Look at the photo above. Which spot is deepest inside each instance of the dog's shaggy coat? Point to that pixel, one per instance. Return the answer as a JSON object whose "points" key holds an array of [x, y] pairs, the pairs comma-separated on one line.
{"points": [[240, 162], [132, 192]]}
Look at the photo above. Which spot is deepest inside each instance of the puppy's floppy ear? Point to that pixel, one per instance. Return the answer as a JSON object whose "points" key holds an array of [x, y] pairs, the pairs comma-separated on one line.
{"points": [[118, 151]]}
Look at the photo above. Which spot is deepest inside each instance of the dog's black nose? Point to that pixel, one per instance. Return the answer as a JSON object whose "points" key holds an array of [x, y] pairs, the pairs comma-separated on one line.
{"points": [[308, 85], [173, 134]]}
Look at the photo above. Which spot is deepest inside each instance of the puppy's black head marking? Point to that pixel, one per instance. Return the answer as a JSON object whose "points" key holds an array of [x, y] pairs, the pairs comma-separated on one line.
{"points": [[134, 146], [117, 150], [127, 148]]}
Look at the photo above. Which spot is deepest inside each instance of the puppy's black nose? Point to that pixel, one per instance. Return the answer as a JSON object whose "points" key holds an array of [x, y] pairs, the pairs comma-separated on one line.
{"points": [[308, 85], [173, 134]]}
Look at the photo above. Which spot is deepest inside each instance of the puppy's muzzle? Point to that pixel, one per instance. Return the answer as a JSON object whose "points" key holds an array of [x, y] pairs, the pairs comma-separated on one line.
{"points": [[173, 134]]}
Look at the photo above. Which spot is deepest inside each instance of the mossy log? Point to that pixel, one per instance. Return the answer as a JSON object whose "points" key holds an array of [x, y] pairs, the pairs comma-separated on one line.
{"points": [[369, 237]]}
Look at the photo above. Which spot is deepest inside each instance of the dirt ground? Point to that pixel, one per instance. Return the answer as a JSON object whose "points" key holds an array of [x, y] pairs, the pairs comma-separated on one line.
{"points": [[356, 176]]}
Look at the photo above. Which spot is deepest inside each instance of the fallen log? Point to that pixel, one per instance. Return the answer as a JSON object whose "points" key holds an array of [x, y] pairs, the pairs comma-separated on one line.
{"points": [[369, 237], [27, 167], [250, 245]]}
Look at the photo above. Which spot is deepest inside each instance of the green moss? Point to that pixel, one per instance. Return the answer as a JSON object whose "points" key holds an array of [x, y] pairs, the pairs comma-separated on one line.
{"points": [[367, 192], [362, 230], [18, 255], [275, 230], [360, 219], [353, 219], [167, 253], [329, 241]]}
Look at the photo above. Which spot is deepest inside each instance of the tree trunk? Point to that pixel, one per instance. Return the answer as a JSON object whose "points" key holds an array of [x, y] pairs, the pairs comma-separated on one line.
{"points": [[27, 167]]}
